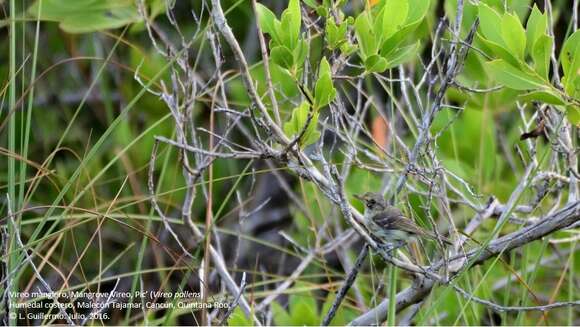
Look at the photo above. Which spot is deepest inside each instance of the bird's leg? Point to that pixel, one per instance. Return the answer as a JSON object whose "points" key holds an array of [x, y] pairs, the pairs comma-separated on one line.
{"points": [[390, 247], [387, 247]]}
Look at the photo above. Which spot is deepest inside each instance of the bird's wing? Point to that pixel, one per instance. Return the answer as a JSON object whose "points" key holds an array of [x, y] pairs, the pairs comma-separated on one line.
{"points": [[409, 226], [394, 219], [387, 219]]}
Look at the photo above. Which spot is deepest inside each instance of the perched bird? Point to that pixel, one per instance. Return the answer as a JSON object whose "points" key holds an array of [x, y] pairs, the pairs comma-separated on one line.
{"points": [[388, 223]]}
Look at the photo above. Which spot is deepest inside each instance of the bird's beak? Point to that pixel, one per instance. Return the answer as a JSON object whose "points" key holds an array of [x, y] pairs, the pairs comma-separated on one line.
{"points": [[358, 196]]}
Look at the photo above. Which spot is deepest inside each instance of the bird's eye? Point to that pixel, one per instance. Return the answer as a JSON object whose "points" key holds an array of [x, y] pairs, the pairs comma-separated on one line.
{"points": [[371, 203]]}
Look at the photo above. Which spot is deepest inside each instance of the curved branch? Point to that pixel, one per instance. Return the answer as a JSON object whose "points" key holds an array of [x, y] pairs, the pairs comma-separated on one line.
{"points": [[422, 286]]}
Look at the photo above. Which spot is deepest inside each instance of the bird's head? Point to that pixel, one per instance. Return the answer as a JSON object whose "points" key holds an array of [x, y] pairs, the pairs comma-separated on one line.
{"points": [[373, 201]]}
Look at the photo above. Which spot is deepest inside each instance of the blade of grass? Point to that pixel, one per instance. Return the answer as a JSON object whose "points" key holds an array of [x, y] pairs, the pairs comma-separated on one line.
{"points": [[144, 241], [13, 258], [392, 296]]}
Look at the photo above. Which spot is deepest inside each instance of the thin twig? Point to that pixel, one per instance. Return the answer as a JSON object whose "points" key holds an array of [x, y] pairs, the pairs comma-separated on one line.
{"points": [[346, 285]]}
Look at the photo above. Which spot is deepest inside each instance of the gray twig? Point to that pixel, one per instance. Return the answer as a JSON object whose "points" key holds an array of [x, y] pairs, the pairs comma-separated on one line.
{"points": [[346, 285]]}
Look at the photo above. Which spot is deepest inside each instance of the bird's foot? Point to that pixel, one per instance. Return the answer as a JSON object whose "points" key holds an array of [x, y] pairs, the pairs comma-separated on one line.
{"points": [[388, 248]]}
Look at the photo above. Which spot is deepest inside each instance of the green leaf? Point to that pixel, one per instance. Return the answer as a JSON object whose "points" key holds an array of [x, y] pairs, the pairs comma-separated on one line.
{"points": [[291, 22], [311, 3], [545, 96], [297, 123], [490, 23], [364, 34], [499, 51], [402, 55], [267, 21], [376, 64], [513, 77], [238, 318], [280, 316], [394, 14], [322, 11], [303, 310], [393, 42], [324, 91], [335, 35], [347, 48], [84, 16], [541, 55], [513, 34], [300, 53], [417, 11], [282, 56], [570, 58], [573, 114], [331, 33], [535, 27]]}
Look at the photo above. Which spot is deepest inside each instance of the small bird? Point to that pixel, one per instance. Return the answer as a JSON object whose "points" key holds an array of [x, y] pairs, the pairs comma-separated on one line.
{"points": [[539, 130], [388, 223]]}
